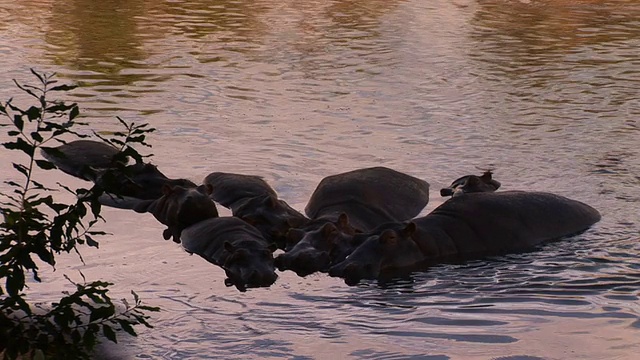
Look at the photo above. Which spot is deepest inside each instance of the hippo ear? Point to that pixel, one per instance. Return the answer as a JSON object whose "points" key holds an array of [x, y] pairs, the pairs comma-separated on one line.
{"points": [[388, 238], [271, 201], [167, 233], [486, 176], [205, 189]]}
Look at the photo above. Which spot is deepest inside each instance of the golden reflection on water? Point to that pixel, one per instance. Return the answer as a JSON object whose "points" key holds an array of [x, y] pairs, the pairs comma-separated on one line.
{"points": [[545, 91]]}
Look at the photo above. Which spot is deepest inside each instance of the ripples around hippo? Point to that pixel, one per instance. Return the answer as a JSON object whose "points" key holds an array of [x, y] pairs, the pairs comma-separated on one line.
{"points": [[361, 224]]}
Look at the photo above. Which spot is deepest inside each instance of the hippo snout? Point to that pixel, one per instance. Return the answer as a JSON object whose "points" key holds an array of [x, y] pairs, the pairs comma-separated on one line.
{"points": [[251, 279], [337, 270], [353, 272], [303, 263]]}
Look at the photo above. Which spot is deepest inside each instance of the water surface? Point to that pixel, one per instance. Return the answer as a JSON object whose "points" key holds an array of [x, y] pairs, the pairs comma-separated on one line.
{"points": [[546, 92]]}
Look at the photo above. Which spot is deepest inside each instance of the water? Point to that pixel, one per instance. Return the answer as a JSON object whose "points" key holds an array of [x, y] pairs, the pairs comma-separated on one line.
{"points": [[546, 92]]}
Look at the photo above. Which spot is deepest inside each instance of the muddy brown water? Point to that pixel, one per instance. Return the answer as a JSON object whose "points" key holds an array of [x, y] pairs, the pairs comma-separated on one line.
{"points": [[547, 93]]}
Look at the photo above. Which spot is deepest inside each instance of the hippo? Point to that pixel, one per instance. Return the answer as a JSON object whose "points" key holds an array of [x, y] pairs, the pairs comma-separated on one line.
{"points": [[369, 196], [316, 247], [346, 204], [81, 158], [250, 198], [229, 188], [467, 227], [180, 207], [471, 184], [124, 185], [237, 247]]}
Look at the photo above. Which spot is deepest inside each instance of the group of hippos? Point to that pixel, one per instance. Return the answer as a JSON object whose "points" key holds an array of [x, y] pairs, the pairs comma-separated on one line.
{"points": [[357, 225]]}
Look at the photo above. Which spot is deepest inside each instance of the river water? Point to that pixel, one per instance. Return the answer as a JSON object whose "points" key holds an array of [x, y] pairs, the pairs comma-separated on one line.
{"points": [[545, 92]]}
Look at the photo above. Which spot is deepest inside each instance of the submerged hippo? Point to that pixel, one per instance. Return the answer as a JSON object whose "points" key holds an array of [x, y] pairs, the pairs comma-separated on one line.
{"points": [[180, 207], [346, 204], [316, 248], [369, 196], [471, 226], [124, 185], [250, 198], [229, 188], [82, 158], [471, 184], [237, 247]]}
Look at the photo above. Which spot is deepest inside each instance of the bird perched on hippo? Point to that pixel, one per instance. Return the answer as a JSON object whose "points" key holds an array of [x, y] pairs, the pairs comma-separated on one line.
{"points": [[471, 184], [465, 227]]}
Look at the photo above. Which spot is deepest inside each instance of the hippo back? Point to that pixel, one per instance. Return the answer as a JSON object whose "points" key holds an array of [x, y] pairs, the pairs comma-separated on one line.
{"points": [[493, 223], [81, 157], [179, 207], [235, 246], [206, 238], [371, 196], [228, 188], [142, 181]]}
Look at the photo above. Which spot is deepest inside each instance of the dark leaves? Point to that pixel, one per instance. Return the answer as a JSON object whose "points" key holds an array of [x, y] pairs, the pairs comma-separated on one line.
{"points": [[31, 234]]}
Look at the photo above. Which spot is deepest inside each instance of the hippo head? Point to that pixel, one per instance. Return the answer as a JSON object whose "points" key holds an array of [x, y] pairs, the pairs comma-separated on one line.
{"points": [[180, 207], [392, 248], [249, 268], [470, 184], [271, 216], [315, 251]]}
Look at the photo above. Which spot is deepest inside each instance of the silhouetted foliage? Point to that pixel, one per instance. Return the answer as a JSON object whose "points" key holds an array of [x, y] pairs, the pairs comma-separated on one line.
{"points": [[35, 228]]}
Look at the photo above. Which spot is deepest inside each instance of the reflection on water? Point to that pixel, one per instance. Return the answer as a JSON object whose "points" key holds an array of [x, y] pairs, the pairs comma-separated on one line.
{"points": [[543, 91]]}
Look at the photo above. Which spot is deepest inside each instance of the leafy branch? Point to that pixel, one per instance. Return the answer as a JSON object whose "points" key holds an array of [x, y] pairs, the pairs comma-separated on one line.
{"points": [[35, 227]]}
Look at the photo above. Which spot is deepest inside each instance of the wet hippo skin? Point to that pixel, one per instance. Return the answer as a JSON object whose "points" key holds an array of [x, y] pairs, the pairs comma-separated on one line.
{"points": [[346, 204], [369, 196], [124, 185], [250, 198], [179, 208], [236, 246], [467, 227]]}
